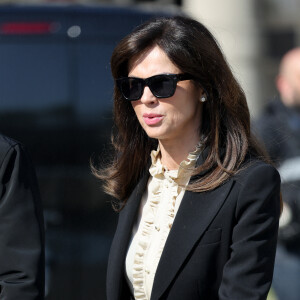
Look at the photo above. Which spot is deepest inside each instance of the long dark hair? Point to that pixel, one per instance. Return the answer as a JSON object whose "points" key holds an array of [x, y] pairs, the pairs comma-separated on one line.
{"points": [[225, 131]]}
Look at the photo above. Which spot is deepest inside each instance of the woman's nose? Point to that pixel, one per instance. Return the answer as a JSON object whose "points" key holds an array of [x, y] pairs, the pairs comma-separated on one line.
{"points": [[147, 96]]}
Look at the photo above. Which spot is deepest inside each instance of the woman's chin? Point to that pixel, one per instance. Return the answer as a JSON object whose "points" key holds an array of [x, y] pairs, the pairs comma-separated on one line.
{"points": [[154, 133]]}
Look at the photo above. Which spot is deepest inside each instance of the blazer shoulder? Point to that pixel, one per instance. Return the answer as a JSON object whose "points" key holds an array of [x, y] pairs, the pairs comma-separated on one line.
{"points": [[6, 145], [258, 182], [259, 170]]}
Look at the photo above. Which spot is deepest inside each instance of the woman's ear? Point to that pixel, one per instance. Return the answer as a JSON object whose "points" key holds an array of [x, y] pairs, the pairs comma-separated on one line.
{"points": [[285, 90]]}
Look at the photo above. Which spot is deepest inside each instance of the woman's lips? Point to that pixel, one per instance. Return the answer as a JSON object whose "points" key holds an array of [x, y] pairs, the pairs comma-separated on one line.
{"points": [[152, 119]]}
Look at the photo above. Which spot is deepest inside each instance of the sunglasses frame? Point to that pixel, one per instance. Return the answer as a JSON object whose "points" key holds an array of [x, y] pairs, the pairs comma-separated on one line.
{"points": [[147, 82]]}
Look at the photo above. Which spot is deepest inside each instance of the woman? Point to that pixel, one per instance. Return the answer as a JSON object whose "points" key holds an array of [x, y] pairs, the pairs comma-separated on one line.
{"points": [[199, 208]]}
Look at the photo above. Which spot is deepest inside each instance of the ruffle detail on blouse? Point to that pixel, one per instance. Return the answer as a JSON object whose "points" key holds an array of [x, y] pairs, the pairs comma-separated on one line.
{"points": [[186, 166], [142, 246], [165, 185]]}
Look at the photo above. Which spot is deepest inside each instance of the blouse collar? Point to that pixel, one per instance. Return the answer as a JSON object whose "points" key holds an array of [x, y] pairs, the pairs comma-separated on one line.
{"points": [[157, 169]]}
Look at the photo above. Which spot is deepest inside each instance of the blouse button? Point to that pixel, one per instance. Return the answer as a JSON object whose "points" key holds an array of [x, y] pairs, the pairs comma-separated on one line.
{"points": [[157, 228], [170, 225], [147, 270]]}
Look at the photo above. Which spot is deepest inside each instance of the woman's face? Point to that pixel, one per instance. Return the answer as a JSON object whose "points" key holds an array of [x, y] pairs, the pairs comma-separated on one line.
{"points": [[167, 119]]}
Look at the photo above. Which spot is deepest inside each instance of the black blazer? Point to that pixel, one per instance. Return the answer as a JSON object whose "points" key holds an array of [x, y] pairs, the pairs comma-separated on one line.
{"points": [[221, 245], [21, 226]]}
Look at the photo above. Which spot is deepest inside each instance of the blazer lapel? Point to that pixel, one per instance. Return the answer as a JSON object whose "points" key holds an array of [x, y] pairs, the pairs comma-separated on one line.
{"points": [[119, 247], [195, 213]]}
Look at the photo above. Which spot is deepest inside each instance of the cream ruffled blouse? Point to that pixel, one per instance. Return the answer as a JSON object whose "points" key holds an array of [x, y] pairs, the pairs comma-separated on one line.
{"points": [[159, 205]]}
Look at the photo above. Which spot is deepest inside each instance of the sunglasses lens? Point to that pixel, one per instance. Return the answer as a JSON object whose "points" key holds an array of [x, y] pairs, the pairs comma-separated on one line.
{"points": [[131, 88], [162, 86]]}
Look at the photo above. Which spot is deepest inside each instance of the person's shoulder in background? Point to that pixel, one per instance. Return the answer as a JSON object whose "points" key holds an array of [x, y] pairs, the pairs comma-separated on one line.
{"points": [[273, 114], [6, 144], [21, 221], [270, 128]]}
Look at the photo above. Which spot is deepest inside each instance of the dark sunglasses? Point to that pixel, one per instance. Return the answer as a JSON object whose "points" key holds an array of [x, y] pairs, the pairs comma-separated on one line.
{"points": [[161, 86]]}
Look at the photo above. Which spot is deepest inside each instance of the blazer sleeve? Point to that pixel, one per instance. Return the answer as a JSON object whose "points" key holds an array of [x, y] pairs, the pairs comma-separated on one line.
{"points": [[248, 273], [21, 228]]}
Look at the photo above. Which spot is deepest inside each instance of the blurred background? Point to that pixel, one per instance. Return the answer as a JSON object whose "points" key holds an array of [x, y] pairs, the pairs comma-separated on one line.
{"points": [[56, 97]]}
